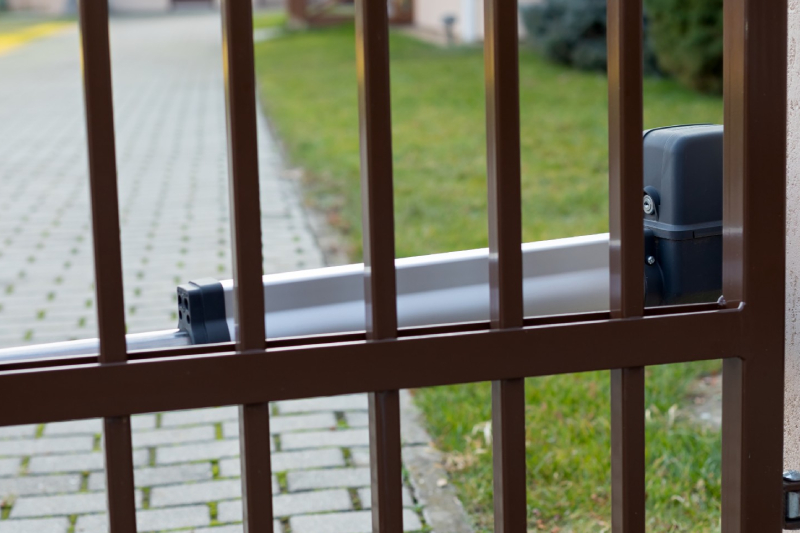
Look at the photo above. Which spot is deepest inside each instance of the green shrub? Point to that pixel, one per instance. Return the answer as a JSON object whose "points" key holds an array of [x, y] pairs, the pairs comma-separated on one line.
{"points": [[573, 32], [687, 38]]}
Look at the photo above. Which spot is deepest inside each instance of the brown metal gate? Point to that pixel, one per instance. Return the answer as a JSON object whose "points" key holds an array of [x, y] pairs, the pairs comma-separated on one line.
{"points": [[745, 329]]}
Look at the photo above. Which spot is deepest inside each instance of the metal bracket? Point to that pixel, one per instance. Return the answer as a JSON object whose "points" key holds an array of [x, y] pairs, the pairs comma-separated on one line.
{"points": [[791, 499]]}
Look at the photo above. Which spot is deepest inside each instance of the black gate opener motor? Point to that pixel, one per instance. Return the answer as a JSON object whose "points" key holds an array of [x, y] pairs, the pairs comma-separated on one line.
{"points": [[682, 203]]}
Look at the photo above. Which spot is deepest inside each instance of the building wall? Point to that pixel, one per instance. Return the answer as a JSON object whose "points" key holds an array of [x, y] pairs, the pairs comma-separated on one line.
{"points": [[56, 7], [140, 6], [429, 15], [52, 7], [792, 388]]}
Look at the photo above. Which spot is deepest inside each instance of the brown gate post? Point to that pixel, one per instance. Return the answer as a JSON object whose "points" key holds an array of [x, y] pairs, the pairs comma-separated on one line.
{"points": [[754, 262]]}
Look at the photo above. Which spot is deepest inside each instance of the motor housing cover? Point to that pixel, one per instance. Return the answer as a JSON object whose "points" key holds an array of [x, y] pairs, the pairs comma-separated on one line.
{"points": [[682, 204]]}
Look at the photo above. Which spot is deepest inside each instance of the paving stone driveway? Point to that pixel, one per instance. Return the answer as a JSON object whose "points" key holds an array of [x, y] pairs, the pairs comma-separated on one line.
{"points": [[175, 227]]}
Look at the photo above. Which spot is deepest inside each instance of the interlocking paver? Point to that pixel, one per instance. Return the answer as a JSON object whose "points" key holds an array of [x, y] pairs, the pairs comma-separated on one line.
{"points": [[77, 462], [75, 427], [59, 505], [158, 437], [353, 522], [209, 491], [10, 467], [199, 416], [365, 496], [282, 424], [40, 525], [195, 452], [357, 419], [45, 446], [93, 426], [316, 439], [328, 478], [293, 504], [159, 475], [282, 461], [31, 485], [235, 528], [151, 519], [28, 430], [349, 402], [360, 456]]}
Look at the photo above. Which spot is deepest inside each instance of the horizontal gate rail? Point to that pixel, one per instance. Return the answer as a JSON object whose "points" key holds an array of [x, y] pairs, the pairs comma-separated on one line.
{"points": [[745, 328], [161, 384]]}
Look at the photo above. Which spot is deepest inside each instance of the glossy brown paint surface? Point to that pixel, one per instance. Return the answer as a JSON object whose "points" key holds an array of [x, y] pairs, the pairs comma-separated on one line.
{"points": [[377, 222], [746, 330], [240, 99], [501, 60], [102, 163], [626, 259], [754, 201]]}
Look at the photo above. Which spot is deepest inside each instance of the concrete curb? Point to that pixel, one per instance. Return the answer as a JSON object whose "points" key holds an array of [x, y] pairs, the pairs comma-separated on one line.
{"points": [[442, 510]]}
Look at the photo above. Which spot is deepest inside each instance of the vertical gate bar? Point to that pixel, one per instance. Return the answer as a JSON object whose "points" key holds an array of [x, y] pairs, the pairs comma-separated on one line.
{"points": [[755, 48], [501, 64], [626, 249], [240, 98], [627, 450], [102, 165], [377, 201]]}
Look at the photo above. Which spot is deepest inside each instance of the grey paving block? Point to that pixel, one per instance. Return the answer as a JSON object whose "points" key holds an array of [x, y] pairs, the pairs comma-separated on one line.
{"points": [[158, 437], [159, 475], [318, 439], [90, 426], [187, 493], [195, 452], [357, 419], [45, 446], [353, 522], [360, 456], [282, 424], [40, 525], [28, 430], [283, 461], [365, 495], [77, 462], [350, 402], [59, 505], [235, 528], [327, 479], [93, 426], [10, 467], [151, 519], [292, 504], [143, 422], [35, 485], [199, 416]]}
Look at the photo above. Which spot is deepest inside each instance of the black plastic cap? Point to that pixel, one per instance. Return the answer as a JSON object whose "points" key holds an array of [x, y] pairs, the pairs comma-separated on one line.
{"points": [[201, 311]]}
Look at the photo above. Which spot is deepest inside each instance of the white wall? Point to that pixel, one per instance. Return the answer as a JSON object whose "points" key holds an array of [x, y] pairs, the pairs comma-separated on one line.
{"points": [[792, 389], [139, 6], [428, 15], [53, 7]]}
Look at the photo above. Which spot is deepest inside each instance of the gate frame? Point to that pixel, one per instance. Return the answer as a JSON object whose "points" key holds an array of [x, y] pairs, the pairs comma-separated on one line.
{"points": [[745, 328]]}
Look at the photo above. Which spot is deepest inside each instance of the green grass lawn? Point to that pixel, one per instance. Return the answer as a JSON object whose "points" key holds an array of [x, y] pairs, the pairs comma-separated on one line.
{"points": [[308, 88]]}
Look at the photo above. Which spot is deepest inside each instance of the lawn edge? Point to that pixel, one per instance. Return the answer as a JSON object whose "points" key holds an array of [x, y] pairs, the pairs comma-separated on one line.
{"points": [[441, 507]]}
